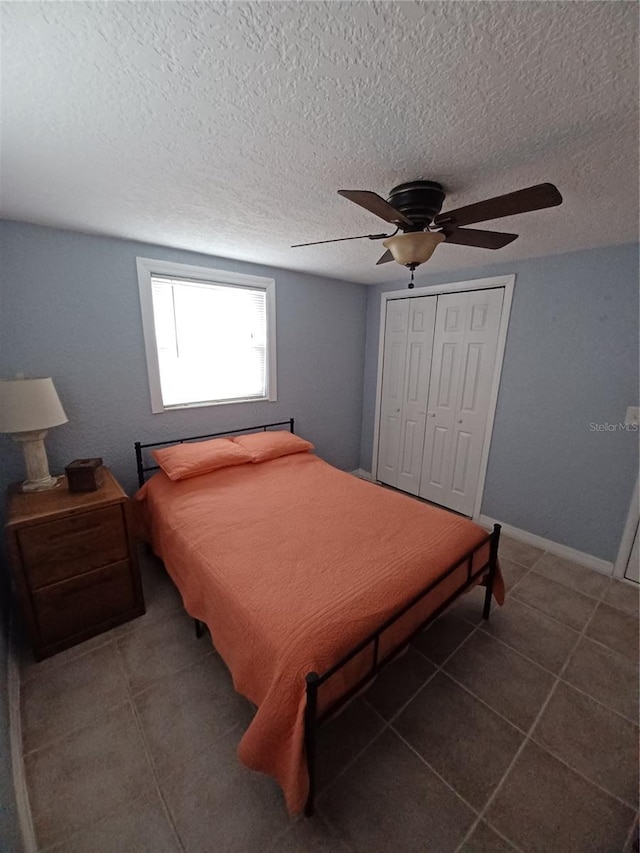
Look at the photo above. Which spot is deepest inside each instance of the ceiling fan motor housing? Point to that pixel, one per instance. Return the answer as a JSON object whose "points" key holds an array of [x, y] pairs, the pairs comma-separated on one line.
{"points": [[420, 201]]}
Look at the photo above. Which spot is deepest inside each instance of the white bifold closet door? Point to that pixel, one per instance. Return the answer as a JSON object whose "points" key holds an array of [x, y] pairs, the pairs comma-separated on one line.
{"points": [[462, 369], [408, 342]]}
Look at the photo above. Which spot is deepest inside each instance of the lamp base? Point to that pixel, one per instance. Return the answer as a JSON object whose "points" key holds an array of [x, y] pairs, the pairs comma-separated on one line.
{"points": [[35, 456], [41, 485]]}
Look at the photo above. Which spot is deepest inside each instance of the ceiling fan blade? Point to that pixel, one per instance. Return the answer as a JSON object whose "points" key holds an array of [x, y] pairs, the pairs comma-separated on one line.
{"points": [[342, 239], [377, 205], [521, 201], [479, 239], [385, 258]]}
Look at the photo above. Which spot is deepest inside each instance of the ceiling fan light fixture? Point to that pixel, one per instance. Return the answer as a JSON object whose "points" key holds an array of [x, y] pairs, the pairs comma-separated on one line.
{"points": [[414, 248]]}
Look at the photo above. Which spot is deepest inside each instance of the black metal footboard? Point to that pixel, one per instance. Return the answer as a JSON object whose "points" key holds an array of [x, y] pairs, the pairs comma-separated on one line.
{"points": [[314, 681]]}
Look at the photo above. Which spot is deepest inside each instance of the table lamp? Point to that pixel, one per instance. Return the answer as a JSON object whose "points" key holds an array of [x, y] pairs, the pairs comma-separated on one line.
{"points": [[28, 408]]}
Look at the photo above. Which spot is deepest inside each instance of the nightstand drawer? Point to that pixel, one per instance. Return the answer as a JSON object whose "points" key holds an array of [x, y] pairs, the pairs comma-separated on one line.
{"points": [[84, 602], [62, 549]]}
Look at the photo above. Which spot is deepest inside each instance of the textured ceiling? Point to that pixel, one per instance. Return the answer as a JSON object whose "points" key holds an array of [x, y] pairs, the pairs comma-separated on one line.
{"points": [[227, 128]]}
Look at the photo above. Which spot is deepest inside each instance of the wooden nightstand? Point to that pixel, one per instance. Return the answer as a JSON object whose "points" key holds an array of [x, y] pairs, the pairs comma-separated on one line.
{"points": [[74, 563]]}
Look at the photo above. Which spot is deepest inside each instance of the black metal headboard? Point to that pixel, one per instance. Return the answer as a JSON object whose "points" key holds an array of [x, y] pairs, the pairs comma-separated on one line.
{"points": [[143, 469]]}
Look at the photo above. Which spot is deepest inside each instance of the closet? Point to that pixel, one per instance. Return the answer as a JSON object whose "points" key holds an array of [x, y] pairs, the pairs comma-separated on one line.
{"points": [[438, 362]]}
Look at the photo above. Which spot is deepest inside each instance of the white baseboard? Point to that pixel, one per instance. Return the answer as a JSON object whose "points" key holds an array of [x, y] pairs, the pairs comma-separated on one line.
{"points": [[25, 819], [364, 475], [587, 560], [556, 548]]}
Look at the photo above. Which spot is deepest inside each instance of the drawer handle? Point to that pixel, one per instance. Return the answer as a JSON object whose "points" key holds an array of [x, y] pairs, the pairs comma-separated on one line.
{"points": [[89, 529], [85, 587]]}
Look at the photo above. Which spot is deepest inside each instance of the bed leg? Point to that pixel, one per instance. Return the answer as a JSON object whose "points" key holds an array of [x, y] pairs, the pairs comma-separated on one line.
{"points": [[310, 726], [199, 628], [493, 562]]}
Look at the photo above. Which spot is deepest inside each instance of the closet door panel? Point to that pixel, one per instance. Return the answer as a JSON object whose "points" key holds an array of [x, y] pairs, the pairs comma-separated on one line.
{"points": [[472, 405], [461, 454], [442, 400], [393, 375], [421, 323]]}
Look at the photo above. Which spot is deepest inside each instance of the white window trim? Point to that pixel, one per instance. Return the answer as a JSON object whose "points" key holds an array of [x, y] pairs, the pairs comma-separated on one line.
{"points": [[147, 267]]}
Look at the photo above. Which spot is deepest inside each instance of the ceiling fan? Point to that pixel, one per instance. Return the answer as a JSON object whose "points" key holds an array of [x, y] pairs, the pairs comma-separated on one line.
{"points": [[414, 208]]}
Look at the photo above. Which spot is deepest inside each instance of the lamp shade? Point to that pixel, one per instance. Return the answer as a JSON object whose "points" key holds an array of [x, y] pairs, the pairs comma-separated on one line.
{"points": [[27, 405], [414, 248]]}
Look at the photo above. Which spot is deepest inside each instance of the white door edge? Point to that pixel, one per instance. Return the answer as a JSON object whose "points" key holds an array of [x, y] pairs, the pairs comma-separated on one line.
{"points": [[630, 528], [505, 281]]}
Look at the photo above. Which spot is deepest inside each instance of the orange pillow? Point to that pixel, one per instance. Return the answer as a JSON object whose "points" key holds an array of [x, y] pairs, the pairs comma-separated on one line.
{"points": [[270, 445], [181, 461]]}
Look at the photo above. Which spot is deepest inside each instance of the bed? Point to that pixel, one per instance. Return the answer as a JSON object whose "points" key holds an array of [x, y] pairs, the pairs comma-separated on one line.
{"points": [[310, 580]]}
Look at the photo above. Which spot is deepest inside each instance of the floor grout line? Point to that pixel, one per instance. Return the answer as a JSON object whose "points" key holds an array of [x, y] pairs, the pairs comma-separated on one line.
{"points": [[563, 679], [558, 678], [57, 845], [628, 839], [516, 847], [439, 668], [435, 772], [553, 618], [610, 580], [483, 702], [135, 694], [102, 713], [532, 736], [575, 589], [587, 637], [597, 785], [86, 826], [98, 642], [54, 665], [150, 761], [518, 652], [529, 734], [350, 763], [528, 739], [388, 723], [592, 601]]}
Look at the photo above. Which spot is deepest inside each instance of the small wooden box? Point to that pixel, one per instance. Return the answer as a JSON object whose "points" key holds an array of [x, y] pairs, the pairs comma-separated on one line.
{"points": [[84, 475]]}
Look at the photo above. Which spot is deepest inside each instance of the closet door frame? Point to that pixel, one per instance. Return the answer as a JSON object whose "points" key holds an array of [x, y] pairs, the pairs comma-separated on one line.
{"points": [[628, 536], [504, 281]]}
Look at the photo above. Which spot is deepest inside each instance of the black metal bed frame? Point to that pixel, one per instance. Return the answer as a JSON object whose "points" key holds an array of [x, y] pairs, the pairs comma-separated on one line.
{"points": [[142, 469], [314, 680]]}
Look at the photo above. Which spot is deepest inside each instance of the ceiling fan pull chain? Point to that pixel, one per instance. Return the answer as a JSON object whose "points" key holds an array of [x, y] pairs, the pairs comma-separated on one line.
{"points": [[411, 284]]}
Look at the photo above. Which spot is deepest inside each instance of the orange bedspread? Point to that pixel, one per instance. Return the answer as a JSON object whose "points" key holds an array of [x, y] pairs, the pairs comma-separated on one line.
{"points": [[290, 563]]}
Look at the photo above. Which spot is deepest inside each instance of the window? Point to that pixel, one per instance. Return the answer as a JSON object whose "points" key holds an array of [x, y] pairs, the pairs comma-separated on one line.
{"points": [[209, 335]]}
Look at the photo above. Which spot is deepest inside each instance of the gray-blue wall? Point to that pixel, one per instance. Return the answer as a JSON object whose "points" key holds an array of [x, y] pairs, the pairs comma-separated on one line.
{"points": [[70, 309], [571, 360]]}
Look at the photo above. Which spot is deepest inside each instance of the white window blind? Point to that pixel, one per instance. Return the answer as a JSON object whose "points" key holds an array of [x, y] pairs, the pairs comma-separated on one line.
{"points": [[211, 341]]}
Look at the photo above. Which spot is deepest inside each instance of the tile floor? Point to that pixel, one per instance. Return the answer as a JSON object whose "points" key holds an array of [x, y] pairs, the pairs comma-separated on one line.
{"points": [[519, 734]]}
